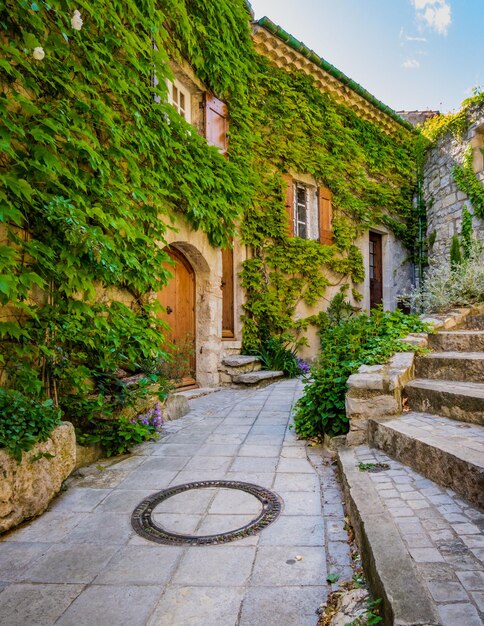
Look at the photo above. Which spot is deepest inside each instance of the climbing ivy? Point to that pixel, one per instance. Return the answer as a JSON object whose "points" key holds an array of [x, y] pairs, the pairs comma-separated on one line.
{"points": [[372, 178], [93, 173], [456, 123], [95, 170], [469, 184]]}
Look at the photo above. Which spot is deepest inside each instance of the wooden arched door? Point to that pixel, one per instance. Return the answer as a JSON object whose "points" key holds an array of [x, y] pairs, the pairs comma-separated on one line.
{"points": [[178, 301]]}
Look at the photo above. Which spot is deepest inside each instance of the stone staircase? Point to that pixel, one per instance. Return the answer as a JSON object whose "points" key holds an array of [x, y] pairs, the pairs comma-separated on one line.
{"points": [[245, 371], [443, 435], [419, 519]]}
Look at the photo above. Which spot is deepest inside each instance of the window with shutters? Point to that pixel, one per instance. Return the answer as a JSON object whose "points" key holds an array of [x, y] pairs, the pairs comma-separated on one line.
{"points": [[309, 210]]}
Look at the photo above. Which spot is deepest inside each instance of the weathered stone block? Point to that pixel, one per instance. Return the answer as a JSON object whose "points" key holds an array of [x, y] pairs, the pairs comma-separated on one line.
{"points": [[27, 487]]}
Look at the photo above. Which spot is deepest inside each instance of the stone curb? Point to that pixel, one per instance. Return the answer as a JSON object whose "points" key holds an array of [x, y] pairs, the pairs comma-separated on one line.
{"points": [[375, 391], [389, 569]]}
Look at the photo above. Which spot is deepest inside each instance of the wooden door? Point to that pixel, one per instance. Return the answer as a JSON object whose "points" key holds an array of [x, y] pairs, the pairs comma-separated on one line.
{"points": [[228, 293], [376, 270], [178, 300]]}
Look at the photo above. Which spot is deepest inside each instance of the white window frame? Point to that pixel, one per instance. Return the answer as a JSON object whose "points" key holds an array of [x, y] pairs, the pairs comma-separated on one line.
{"points": [[311, 221], [180, 98]]}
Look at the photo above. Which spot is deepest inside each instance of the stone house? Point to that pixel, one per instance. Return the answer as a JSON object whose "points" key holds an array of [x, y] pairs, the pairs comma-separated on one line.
{"points": [[205, 300]]}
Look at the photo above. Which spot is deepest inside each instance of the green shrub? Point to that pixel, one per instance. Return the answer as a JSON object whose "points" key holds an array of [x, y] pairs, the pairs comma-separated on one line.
{"points": [[25, 421], [446, 286], [353, 340], [455, 253], [276, 355]]}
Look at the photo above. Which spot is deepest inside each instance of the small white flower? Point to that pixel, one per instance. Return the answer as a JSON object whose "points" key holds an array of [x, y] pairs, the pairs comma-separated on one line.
{"points": [[76, 20], [39, 53]]}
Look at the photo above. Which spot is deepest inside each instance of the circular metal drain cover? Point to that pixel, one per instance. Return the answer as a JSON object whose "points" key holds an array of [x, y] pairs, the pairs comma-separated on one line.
{"points": [[143, 523]]}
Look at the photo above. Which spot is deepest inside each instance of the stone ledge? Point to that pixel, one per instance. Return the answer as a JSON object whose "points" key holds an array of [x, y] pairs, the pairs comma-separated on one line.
{"points": [[252, 378], [388, 566], [27, 488]]}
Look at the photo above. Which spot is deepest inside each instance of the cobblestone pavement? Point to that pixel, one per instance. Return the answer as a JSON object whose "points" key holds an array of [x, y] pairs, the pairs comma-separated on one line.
{"points": [[443, 534], [82, 564]]}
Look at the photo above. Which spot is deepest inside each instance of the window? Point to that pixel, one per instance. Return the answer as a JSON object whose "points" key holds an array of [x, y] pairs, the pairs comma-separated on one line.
{"points": [[301, 193], [180, 98], [309, 210]]}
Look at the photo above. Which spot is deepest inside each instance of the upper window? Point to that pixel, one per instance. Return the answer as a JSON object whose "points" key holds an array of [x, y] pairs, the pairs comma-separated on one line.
{"points": [[301, 211], [309, 211], [180, 98]]}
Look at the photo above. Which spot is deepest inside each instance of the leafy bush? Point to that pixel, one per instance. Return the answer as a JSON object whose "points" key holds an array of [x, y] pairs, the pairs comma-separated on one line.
{"points": [[354, 340], [275, 354], [25, 421], [119, 436], [448, 286]]}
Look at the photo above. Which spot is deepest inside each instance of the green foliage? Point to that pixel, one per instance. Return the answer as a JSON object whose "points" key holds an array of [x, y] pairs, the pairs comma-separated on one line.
{"points": [[455, 123], [455, 253], [94, 171], [96, 167], [277, 355], [466, 233], [24, 421], [372, 178], [469, 184], [354, 340], [118, 436]]}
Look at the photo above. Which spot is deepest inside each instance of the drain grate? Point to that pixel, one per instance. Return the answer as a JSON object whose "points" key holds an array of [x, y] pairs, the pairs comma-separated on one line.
{"points": [[143, 523]]}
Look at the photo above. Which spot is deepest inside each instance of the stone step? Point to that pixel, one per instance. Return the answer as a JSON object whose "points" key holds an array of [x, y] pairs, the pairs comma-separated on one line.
{"points": [[418, 541], [448, 452], [461, 366], [461, 401], [457, 341], [237, 364], [475, 322], [241, 360], [257, 378]]}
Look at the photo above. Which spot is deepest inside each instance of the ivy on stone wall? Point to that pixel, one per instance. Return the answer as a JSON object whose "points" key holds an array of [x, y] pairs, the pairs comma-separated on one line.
{"points": [[372, 178], [469, 184], [94, 172], [92, 175]]}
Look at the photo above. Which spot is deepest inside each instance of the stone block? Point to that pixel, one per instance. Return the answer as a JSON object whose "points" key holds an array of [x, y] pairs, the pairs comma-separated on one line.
{"points": [[376, 406], [28, 487]]}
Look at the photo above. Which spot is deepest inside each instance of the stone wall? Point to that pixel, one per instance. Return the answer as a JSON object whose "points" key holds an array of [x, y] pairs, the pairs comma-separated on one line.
{"points": [[26, 488], [443, 199]]}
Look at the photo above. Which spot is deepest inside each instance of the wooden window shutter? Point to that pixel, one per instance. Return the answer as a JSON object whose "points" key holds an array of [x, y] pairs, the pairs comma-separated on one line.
{"points": [[216, 123], [289, 202], [325, 216]]}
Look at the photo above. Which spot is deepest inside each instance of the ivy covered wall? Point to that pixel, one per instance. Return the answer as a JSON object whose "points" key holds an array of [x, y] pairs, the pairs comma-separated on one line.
{"points": [[94, 171], [453, 178]]}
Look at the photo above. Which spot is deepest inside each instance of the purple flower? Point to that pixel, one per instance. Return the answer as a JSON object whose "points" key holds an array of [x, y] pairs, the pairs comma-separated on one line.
{"points": [[303, 366], [153, 417]]}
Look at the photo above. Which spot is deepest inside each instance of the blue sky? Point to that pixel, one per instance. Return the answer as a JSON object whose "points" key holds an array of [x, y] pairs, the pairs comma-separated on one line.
{"points": [[411, 54]]}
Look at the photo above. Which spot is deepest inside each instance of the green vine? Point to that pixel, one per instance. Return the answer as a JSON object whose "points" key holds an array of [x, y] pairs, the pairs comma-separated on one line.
{"points": [[95, 171], [371, 175], [455, 123], [469, 184]]}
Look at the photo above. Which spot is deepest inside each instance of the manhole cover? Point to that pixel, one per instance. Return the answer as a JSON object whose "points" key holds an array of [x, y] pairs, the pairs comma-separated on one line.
{"points": [[144, 524]]}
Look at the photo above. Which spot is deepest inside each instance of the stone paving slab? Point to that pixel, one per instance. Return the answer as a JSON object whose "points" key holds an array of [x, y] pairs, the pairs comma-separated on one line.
{"points": [[443, 534], [82, 564]]}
